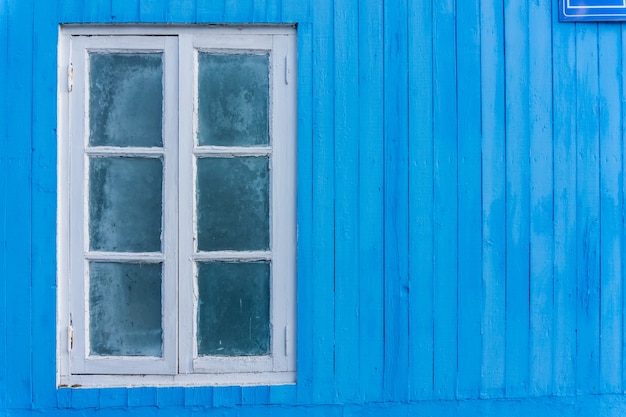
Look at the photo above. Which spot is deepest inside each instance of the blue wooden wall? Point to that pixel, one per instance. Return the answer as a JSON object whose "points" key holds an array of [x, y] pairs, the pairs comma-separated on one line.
{"points": [[460, 210]]}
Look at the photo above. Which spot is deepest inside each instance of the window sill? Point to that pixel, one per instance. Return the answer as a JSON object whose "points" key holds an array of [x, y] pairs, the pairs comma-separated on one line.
{"points": [[190, 380]]}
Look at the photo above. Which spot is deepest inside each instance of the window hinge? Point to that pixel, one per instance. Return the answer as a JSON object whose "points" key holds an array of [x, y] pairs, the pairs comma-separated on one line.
{"points": [[70, 337], [70, 77], [286, 70], [286, 343]]}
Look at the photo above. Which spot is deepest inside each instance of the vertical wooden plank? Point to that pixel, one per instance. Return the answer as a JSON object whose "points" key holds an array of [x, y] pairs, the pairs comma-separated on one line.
{"points": [[396, 200], [541, 199], [307, 281], [493, 196], [153, 11], [611, 208], [273, 11], [296, 11], [226, 396], [564, 127], [259, 11], [238, 11], [180, 11], [113, 398], [622, 180], [19, 209], [469, 199], [588, 213], [347, 233], [70, 11], [255, 395], [170, 397], [93, 11], [210, 11], [517, 196], [125, 11], [44, 176], [420, 46], [445, 215], [370, 78], [140, 397], [323, 387], [4, 105]]}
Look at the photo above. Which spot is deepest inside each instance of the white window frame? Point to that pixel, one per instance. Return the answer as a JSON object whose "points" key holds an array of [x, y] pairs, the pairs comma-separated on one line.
{"points": [[180, 363]]}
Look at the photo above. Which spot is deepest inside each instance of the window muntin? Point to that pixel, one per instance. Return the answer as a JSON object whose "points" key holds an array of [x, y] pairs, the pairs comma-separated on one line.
{"points": [[174, 248]]}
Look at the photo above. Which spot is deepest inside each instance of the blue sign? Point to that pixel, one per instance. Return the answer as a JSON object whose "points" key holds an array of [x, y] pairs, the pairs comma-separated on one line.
{"points": [[592, 10]]}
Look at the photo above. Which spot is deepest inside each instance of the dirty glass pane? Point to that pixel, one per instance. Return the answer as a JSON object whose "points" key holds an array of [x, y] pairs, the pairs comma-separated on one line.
{"points": [[233, 203], [125, 309], [233, 96], [125, 204], [125, 99], [233, 309]]}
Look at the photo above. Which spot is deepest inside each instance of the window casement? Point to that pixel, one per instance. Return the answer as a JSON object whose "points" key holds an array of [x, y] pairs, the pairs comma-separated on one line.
{"points": [[176, 205]]}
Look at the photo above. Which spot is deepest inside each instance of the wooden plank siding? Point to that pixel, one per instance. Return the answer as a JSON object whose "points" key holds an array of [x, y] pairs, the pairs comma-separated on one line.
{"points": [[461, 210]]}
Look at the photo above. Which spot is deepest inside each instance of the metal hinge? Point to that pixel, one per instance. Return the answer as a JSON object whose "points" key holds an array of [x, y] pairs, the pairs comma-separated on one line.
{"points": [[70, 77], [286, 70], [70, 335], [286, 343]]}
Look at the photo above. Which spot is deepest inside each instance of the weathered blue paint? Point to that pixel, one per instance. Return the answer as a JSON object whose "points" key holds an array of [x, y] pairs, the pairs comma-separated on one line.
{"points": [[460, 211]]}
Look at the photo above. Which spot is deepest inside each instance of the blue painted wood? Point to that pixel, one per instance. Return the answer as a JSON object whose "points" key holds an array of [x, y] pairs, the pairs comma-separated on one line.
{"points": [[470, 268], [445, 200], [4, 175], [170, 397], [43, 206], [395, 183], [623, 211], [564, 211], [460, 211], [92, 12], [588, 211], [125, 10], [273, 10], [151, 11], [346, 132], [210, 11], [370, 226], [305, 287], [180, 11], [323, 210], [420, 250], [19, 111], [611, 210], [237, 10], [517, 196], [493, 200], [541, 201]]}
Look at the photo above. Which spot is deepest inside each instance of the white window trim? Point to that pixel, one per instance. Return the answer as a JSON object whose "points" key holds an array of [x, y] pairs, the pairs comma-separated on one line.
{"points": [[180, 364]]}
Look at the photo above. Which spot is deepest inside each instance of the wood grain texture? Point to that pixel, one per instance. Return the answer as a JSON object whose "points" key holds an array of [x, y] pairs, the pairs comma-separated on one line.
{"points": [[421, 226], [470, 236], [460, 210], [395, 186]]}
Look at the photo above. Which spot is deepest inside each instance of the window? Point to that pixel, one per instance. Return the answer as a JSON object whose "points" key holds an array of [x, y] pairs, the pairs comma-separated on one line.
{"points": [[176, 208]]}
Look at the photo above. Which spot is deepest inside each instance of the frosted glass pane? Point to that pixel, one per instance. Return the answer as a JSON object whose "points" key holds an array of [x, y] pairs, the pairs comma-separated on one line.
{"points": [[125, 309], [125, 210], [125, 99], [233, 309], [233, 203], [233, 96]]}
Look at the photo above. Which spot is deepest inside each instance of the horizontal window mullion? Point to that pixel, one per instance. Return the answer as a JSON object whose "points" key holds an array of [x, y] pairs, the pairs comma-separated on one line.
{"points": [[231, 151], [103, 151], [143, 257], [248, 256]]}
